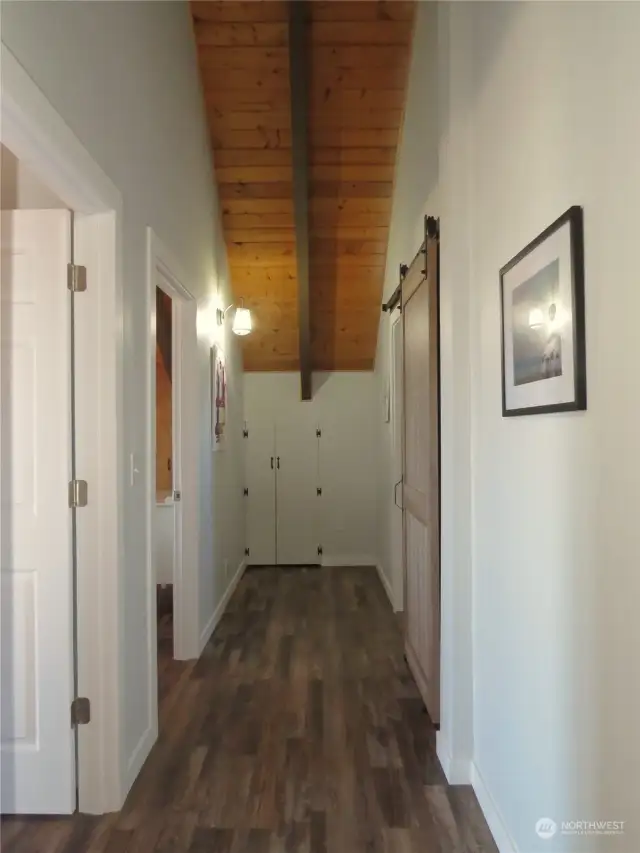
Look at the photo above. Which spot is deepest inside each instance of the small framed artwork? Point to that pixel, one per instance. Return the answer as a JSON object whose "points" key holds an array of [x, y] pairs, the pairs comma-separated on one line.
{"points": [[218, 397], [543, 325]]}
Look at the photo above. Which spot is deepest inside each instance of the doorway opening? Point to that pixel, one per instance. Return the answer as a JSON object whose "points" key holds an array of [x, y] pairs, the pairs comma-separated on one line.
{"points": [[171, 476], [164, 513]]}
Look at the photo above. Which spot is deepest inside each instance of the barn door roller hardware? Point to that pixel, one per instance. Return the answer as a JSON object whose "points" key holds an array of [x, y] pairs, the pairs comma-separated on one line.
{"points": [[395, 300], [431, 232]]}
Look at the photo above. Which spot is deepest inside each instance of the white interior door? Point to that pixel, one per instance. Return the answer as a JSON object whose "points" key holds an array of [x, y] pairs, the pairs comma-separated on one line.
{"points": [[260, 464], [397, 545], [38, 762], [297, 500]]}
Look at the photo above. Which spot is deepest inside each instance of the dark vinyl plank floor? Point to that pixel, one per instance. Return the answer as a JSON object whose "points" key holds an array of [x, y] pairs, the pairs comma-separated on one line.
{"points": [[299, 730]]}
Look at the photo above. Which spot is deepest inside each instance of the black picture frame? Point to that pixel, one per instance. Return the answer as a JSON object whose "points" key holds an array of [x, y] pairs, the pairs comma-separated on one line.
{"points": [[573, 217]]}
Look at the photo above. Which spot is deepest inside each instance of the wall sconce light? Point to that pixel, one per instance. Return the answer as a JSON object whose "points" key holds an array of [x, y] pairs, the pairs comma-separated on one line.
{"points": [[242, 324]]}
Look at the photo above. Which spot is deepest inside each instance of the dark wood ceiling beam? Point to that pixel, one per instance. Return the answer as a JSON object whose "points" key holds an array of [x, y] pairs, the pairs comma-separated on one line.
{"points": [[299, 74]]}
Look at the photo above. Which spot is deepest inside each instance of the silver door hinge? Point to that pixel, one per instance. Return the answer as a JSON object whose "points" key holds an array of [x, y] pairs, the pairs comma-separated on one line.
{"points": [[177, 496], [76, 278], [80, 711], [78, 493]]}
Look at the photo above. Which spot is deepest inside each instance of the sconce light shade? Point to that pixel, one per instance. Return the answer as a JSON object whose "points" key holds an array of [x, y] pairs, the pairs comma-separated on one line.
{"points": [[242, 321]]}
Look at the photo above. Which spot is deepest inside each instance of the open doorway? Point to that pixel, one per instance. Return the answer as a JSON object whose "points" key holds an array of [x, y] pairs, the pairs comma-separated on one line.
{"points": [[164, 514], [171, 468]]}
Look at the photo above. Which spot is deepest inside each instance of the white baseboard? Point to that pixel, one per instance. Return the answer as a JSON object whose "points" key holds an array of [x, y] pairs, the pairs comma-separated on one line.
{"points": [[211, 625], [457, 770], [385, 583], [504, 841], [349, 560]]}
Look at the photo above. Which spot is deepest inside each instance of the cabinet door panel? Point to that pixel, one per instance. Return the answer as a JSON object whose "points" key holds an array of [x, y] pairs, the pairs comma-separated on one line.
{"points": [[261, 500], [297, 501]]}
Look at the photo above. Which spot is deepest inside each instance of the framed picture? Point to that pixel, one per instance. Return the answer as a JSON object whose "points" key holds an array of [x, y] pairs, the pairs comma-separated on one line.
{"points": [[218, 397], [543, 327]]}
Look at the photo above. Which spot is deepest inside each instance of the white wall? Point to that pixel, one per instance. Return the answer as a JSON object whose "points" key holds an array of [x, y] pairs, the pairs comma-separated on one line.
{"points": [[415, 182], [529, 124], [124, 78], [346, 408], [20, 189]]}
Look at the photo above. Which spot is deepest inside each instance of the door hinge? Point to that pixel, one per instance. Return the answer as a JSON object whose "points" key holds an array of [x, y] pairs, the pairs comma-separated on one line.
{"points": [[318, 433], [247, 552], [246, 491], [78, 493], [318, 491], [76, 278], [177, 496], [245, 433], [319, 550], [80, 711]]}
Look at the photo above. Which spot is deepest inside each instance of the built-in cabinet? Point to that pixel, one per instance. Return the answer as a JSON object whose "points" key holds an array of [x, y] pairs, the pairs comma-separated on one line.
{"points": [[324, 494], [283, 493]]}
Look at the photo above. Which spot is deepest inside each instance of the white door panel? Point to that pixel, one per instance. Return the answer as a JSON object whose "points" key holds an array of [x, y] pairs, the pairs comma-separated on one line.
{"points": [[37, 742], [296, 493], [261, 500]]}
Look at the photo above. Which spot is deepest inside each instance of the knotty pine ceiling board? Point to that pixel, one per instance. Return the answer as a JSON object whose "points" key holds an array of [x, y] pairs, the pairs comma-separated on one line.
{"points": [[359, 54]]}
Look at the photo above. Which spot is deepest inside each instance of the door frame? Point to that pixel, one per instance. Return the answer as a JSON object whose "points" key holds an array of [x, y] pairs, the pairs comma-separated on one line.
{"points": [[164, 271], [35, 132]]}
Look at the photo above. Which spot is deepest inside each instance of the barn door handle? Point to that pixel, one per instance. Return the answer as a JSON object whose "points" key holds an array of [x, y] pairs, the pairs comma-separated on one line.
{"points": [[272, 463], [395, 494]]}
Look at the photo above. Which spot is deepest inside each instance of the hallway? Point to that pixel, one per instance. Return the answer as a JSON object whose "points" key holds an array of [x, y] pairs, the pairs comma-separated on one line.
{"points": [[298, 731]]}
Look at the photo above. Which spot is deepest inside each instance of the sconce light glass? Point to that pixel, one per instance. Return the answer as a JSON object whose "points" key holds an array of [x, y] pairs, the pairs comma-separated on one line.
{"points": [[242, 324], [242, 321]]}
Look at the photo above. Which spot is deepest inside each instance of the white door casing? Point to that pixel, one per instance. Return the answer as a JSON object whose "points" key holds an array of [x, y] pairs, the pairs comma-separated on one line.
{"points": [[38, 772]]}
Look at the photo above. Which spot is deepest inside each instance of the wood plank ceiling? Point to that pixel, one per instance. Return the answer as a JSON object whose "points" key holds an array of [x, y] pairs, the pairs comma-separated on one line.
{"points": [[359, 53]]}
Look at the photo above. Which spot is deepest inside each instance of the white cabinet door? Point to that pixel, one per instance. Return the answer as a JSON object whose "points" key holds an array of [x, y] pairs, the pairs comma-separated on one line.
{"points": [[261, 500], [38, 772], [296, 493]]}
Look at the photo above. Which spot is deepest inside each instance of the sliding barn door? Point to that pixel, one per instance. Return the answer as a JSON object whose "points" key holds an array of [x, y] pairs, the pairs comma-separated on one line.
{"points": [[421, 475]]}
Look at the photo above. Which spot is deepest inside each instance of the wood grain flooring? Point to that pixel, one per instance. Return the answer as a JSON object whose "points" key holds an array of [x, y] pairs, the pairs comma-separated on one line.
{"points": [[299, 730]]}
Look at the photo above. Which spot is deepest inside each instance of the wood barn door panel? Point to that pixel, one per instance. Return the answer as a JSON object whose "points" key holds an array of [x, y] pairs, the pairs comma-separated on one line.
{"points": [[421, 476]]}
